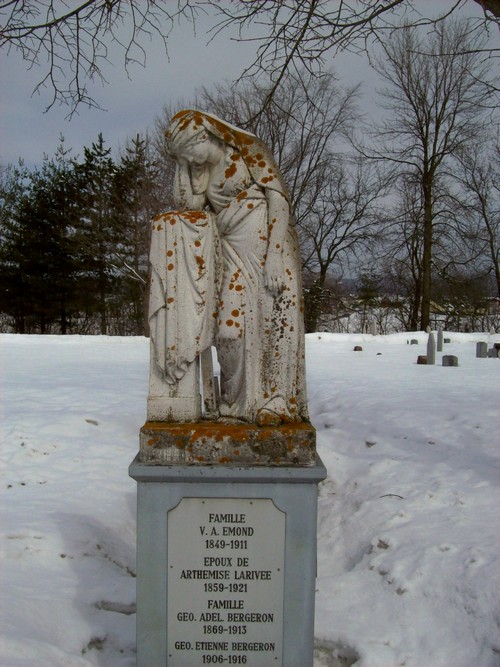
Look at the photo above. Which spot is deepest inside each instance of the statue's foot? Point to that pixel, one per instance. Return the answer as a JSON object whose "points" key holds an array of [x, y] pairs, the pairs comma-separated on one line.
{"points": [[227, 415], [274, 413]]}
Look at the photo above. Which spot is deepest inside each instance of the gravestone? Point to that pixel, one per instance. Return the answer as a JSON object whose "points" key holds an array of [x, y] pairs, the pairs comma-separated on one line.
{"points": [[440, 340], [450, 360], [431, 349], [226, 475], [493, 353], [481, 350], [447, 340], [421, 360], [413, 341]]}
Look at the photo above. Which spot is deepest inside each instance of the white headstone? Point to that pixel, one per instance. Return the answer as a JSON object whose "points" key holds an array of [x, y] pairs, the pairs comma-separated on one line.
{"points": [[431, 349], [440, 340]]}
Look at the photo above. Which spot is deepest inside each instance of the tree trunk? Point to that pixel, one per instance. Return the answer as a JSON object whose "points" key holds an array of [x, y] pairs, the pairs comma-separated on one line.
{"points": [[427, 253]]}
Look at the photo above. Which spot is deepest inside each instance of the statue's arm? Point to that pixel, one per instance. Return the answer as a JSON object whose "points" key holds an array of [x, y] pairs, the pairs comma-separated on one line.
{"points": [[184, 197], [279, 215]]}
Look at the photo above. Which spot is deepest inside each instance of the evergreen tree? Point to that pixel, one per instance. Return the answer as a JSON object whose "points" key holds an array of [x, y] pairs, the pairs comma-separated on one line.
{"points": [[39, 267], [14, 189], [97, 230]]}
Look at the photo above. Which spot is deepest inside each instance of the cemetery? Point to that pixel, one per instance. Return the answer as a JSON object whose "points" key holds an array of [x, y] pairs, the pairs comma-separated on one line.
{"points": [[249, 356]]}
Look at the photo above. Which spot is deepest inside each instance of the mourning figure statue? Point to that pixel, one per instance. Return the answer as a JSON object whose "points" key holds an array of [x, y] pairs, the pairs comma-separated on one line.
{"points": [[225, 273]]}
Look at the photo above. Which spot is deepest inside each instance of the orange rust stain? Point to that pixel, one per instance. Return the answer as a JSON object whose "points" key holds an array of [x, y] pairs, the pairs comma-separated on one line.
{"points": [[170, 299], [235, 313], [170, 253], [250, 205], [229, 323], [261, 164], [194, 216], [170, 267], [238, 288], [197, 243], [230, 171], [159, 228], [242, 195]]}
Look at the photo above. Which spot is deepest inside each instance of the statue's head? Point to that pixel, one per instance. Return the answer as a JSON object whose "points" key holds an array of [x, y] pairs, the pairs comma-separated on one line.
{"points": [[187, 137]]}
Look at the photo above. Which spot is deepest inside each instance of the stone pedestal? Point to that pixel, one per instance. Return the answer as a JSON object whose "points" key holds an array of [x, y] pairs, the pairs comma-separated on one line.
{"points": [[212, 443], [226, 562]]}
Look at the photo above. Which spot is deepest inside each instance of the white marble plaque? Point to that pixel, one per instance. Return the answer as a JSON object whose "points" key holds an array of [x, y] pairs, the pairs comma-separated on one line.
{"points": [[225, 582]]}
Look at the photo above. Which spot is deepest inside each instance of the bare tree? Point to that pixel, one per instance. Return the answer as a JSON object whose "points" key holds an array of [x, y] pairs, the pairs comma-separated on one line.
{"points": [[437, 92], [344, 218], [480, 179], [305, 128], [334, 197], [71, 40]]}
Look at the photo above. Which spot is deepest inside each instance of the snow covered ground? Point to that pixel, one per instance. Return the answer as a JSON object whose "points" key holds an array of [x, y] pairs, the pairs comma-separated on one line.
{"points": [[408, 531]]}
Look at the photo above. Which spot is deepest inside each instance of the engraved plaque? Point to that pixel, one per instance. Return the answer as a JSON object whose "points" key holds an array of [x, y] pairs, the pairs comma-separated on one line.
{"points": [[225, 582]]}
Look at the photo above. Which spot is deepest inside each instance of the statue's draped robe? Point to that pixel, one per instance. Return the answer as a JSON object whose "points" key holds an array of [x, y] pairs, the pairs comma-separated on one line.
{"points": [[207, 285]]}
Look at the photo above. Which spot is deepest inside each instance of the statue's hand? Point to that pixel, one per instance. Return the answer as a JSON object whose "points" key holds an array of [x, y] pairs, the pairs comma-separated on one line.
{"points": [[274, 273]]}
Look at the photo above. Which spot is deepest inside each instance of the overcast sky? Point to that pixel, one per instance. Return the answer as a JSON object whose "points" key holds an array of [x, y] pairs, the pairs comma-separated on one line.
{"points": [[132, 103]]}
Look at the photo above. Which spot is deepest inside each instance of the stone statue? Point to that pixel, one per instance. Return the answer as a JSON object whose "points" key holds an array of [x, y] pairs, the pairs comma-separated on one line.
{"points": [[225, 272]]}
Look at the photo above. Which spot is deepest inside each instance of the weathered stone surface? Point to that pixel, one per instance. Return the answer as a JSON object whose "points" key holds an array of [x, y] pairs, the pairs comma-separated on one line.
{"points": [[214, 443], [450, 360]]}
